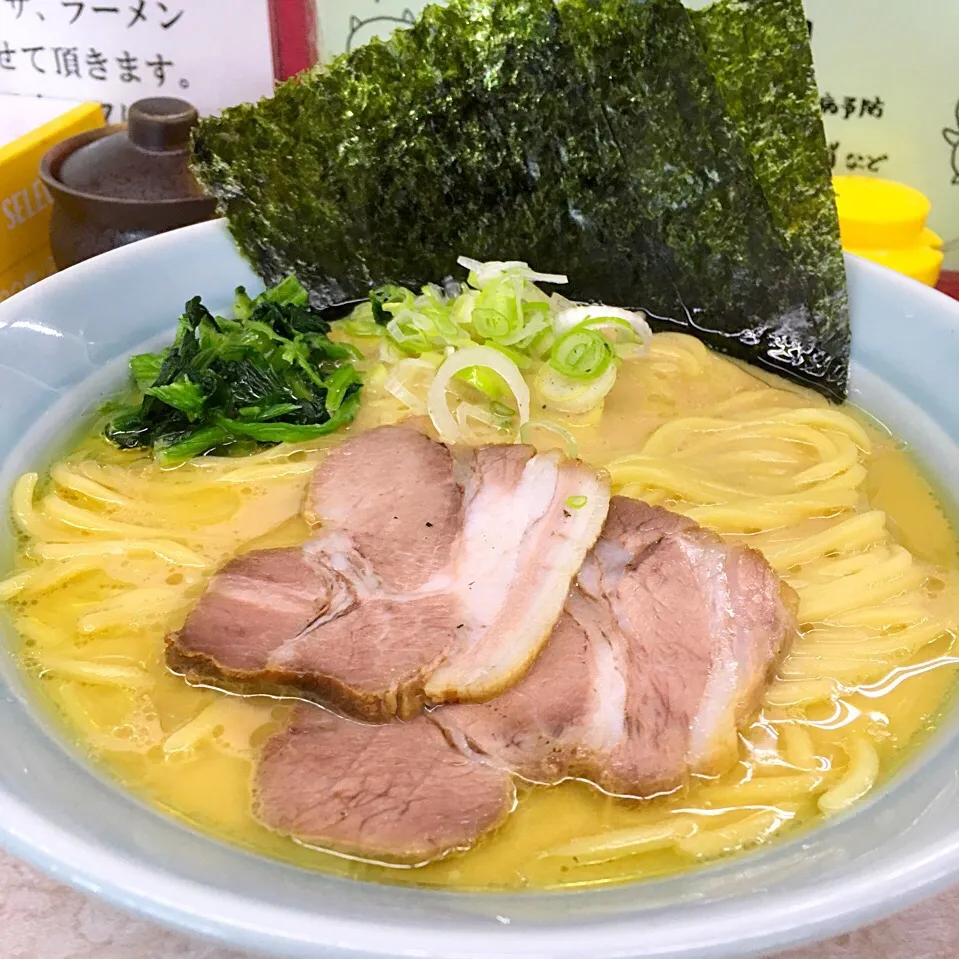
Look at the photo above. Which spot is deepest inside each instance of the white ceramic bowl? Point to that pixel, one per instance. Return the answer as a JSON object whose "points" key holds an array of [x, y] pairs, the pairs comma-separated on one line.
{"points": [[63, 345]]}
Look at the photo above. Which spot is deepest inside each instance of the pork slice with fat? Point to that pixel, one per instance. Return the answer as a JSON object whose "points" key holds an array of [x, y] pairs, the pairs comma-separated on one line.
{"points": [[337, 635], [529, 521], [659, 655], [434, 578], [255, 603], [397, 495], [666, 642], [368, 623], [549, 726]]}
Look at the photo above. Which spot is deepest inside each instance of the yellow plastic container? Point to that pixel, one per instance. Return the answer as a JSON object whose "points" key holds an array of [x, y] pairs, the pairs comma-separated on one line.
{"points": [[885, 222], [28, 271]]}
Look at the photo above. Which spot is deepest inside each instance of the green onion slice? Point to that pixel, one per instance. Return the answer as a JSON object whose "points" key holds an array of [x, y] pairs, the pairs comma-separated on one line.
{"points": [[581, 354], [482, 274], [573, 396], [599, 316], [572, 447], [485, 356]]}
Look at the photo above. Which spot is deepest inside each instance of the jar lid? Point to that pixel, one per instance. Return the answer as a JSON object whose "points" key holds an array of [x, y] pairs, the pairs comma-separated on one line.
{"points": [[147, 160], [877, 213]]}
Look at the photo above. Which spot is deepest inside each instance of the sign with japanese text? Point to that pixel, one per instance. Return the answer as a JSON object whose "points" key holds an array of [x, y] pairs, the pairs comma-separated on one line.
{"points": [[889, 87], [888, 80], [213, 53]]}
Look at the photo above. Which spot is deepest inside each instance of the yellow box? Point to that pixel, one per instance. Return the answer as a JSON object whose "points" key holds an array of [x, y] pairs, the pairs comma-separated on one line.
{"points": [[31, 269], [25, 202]]}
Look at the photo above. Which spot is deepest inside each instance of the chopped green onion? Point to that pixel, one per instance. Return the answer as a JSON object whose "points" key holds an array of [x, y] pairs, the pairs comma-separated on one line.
{"points": [[598, 314], [498, 313], [532, 307], [581, 354], [574, 349], [520, 359], [490, 324], [461, 309], [443, 326], [541, 345], [574, 396], [439, 411], [361, 322], [481, 274], [576, 502], [405, 331], [622, 332], [534, 324], [572, 447], [405, 376], [484, 380]]}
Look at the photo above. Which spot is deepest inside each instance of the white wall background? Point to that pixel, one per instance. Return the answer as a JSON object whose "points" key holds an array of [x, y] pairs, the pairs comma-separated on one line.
{"points": [[873, 57]]}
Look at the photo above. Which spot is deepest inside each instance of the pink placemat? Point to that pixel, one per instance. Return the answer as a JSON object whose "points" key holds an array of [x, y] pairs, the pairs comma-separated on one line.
{"points": [[40, 919]]}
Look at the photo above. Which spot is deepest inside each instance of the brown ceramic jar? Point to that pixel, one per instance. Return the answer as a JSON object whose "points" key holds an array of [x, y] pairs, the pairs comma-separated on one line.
{"points": [[120, 184]]}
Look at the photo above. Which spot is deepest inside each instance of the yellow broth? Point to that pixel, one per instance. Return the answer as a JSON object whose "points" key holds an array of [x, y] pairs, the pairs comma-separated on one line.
{"points": [[93, 620]]}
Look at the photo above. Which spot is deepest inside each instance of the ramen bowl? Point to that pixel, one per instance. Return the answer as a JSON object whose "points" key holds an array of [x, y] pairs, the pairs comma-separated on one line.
{"points": [[63, 346]]}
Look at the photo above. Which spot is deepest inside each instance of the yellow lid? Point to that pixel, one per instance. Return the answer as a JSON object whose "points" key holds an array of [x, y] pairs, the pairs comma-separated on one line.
{"points": [[879, 214], [922, 263]]}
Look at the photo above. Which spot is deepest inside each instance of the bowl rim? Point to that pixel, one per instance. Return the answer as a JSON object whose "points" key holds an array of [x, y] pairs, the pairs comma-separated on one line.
{"points": [[788, 918]]}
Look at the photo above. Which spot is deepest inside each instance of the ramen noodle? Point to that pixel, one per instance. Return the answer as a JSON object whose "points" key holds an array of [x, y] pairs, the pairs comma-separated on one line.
{"points": [[114, 551]]}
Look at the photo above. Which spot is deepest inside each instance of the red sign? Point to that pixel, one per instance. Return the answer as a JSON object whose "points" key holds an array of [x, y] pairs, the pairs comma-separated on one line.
{"points": [[294, 27]]}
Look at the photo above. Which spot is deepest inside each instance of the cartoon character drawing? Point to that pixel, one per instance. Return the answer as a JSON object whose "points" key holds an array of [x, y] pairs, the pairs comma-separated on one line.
{"points": [[362, 31], [952, 138]]}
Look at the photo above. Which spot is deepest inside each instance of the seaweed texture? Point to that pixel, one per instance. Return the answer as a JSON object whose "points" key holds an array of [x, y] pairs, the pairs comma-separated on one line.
{"points": [[712, 226], [662, 159], [759, 52]]}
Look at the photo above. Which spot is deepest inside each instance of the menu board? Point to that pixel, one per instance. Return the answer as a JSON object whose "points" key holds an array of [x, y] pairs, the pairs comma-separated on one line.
{"points": [[888, 77], [213, 53]]}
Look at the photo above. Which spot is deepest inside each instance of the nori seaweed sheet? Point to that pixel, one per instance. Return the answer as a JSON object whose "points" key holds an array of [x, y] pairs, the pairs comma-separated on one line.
{"points": [[613, 140], [564, 199], [687, 160], [759, 52]]}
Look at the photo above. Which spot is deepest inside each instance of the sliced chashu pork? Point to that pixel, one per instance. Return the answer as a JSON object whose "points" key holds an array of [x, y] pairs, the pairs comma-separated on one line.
{"points": [[398, 496], [521, 546], [672, 634], [433, 579], [661, 652], [396, 792], [322, 618]]}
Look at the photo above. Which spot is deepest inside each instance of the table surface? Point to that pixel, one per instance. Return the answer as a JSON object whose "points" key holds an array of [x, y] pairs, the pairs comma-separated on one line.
{"points": [[40, 919]]}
